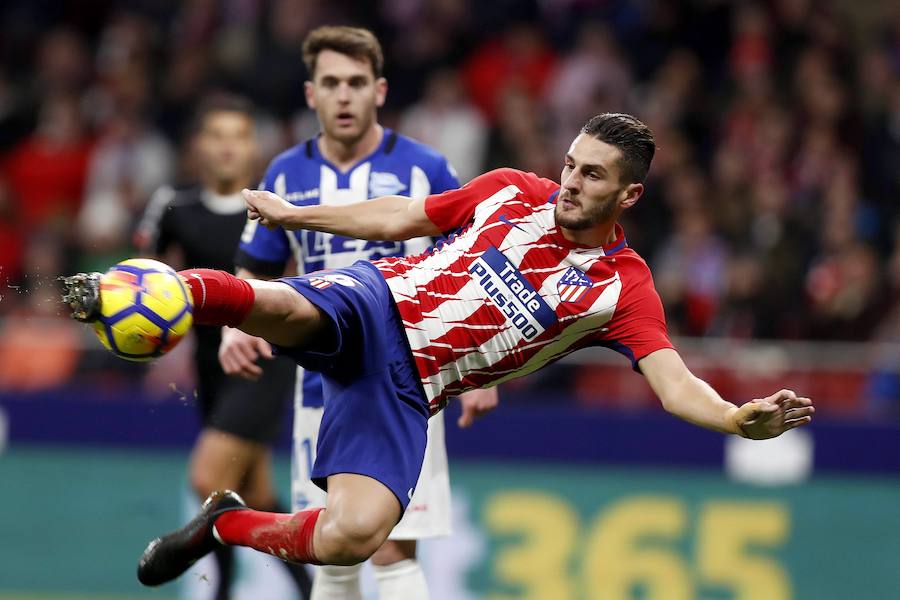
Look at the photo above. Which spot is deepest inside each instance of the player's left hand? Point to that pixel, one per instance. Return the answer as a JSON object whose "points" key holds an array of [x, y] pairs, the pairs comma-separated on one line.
{"points": [[769, 417], [270, 209], [475, 404]]}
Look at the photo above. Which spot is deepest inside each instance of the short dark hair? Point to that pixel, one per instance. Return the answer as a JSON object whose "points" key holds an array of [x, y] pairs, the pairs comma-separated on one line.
{"points": [[633, 139], [220, 102], [355, 42]]}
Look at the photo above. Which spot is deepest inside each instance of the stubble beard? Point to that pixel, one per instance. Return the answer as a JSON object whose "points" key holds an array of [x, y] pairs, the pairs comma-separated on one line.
{"points": [[590, 218]]}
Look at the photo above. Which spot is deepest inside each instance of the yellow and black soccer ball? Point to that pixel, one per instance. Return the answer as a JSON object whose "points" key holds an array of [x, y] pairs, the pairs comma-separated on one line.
{"points": [[145, 309]]}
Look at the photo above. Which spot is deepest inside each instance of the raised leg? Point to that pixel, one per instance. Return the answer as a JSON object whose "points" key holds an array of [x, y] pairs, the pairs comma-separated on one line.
{"points": [[282, 316], [267, 309], [359, 515]]}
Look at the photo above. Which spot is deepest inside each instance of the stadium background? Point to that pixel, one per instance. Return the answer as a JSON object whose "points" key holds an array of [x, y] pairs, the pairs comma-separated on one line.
{"points": [[771, 223]]}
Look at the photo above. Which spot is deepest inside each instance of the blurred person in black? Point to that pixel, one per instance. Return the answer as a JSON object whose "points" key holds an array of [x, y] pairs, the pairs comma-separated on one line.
{"points": [[204, 222]]}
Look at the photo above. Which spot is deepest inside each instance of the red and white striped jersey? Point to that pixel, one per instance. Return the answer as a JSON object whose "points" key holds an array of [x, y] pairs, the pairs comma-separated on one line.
{"points": [[507, 294]]}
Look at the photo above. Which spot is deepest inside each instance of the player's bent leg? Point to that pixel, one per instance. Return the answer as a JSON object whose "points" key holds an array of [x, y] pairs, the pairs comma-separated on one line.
{"points": [[267, 309], [359, 514], [283, 316], [286, 536]]}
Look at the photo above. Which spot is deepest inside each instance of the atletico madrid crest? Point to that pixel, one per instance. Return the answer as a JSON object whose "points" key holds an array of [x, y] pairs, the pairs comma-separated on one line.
{"points": [[325, 279], [319, 282], [573, 285]]}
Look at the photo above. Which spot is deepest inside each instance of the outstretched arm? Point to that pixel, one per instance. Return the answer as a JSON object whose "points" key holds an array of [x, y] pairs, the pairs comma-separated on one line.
{"points": [[692, 399], [387, 218]]}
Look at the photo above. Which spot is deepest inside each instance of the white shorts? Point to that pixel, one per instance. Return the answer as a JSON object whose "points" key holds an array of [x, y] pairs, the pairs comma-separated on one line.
{"points": [[428, 514]]}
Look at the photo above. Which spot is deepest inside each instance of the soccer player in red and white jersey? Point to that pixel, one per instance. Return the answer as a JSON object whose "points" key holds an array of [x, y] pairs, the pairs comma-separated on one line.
{"points": [[535, 270]]}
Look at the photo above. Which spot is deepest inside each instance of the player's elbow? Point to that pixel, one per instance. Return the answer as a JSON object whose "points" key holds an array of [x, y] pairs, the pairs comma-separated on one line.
{"points": [[678, 394], [670, 404]]}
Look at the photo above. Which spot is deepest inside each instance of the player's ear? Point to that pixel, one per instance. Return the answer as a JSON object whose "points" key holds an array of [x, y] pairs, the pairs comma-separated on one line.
{"points": [[308, 90], [630, 194], [381, 89]]}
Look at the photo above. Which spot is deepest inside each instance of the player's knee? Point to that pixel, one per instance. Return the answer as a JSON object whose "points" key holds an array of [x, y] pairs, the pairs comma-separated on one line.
{"points": [[356, 537]]}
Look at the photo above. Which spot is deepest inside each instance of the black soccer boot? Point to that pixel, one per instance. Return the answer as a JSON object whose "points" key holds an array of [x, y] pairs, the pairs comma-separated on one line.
{"points": [[169, 556], [82, 294]]}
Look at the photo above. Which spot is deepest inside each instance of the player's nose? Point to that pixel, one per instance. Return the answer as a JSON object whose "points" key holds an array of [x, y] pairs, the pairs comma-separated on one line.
{"points": [[343, 92], [572, 182]]}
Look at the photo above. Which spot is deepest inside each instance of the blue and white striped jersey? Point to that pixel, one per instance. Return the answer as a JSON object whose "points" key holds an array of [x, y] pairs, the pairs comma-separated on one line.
{"points": [[302, 176]]}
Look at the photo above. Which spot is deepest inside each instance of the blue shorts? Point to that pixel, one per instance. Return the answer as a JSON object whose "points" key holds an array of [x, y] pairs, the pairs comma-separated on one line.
{"points": [[376, 413]]}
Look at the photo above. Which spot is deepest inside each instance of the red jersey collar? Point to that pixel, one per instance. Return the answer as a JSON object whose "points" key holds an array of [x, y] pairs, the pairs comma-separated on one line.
{"points": [[617, 244]]}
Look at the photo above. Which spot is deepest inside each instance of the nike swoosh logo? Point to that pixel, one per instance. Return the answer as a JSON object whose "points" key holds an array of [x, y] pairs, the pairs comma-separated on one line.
{"points": [[503, 219]]}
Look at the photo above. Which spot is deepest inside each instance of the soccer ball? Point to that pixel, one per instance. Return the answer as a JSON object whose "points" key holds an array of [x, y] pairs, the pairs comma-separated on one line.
{"points": [[145, 309]]}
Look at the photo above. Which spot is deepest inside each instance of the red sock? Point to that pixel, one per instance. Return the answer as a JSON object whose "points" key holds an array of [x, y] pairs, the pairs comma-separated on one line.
{"points": [[289, 537], [220, 298]]}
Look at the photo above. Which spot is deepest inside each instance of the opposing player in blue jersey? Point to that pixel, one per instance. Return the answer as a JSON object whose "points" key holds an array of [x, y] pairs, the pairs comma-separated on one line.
{"points": [[351, 160]]}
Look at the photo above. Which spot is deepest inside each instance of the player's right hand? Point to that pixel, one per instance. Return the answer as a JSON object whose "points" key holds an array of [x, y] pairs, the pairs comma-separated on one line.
{"points": [[771, 416], [270, 209], [239, 352]]}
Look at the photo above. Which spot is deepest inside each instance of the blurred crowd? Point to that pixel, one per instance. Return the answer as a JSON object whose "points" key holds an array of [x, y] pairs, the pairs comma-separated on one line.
{"points": [[773, 205]]}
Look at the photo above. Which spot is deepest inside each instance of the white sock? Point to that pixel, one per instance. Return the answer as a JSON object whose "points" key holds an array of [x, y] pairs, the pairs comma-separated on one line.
{"points": [[402, 580], [333, 582]]}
